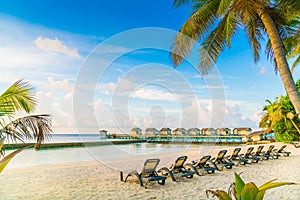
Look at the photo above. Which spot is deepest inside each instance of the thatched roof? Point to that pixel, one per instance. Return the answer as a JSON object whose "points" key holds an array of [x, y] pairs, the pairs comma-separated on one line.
{"points": [[243, 129], [136, 129], [193, 129], [165, 129], [256, 133]]}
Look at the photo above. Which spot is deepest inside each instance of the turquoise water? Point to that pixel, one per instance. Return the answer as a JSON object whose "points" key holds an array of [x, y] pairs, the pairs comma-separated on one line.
{"points": [[60, 138], [31, 157]]}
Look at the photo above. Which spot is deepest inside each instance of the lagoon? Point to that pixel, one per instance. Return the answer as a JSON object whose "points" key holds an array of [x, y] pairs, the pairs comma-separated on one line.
{"points": [[103, 153]]}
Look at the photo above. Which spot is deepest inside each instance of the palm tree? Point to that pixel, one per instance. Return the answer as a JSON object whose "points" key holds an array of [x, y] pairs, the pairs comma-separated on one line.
{"points": [[276, 112], [17, 98], [290, 36], [215, 22]]}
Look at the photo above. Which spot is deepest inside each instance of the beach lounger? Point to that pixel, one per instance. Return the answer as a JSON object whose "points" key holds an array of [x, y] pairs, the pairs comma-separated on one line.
{"points": [[234, 157], [148, 173], [177, 169], [258, 152], [221, 161], [248, 155], [270, 154], [296, 144], [203, 165], [281, 151]]}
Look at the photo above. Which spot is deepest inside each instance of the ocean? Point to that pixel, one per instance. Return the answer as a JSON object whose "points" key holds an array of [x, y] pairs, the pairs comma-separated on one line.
{"points": [[103, 153], [31, 157]]}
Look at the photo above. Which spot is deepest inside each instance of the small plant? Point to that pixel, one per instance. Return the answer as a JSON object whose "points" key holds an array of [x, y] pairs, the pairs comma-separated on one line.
{"points": [[249, 191]]}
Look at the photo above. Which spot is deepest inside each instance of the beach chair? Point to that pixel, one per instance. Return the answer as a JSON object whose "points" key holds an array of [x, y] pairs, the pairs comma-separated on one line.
{"points": [[234, 157], [258, 152], [221, 161], [203, 165], [148, 173], [177, 170], [281, 151], [296, 144], [248, 155], [270, 154]]}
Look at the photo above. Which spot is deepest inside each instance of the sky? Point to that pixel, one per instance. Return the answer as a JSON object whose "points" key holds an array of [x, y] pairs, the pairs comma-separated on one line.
{"points": [[106, 65]]}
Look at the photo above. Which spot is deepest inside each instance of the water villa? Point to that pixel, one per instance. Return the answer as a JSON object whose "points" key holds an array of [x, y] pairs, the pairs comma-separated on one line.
{"points": [[191, 135]]}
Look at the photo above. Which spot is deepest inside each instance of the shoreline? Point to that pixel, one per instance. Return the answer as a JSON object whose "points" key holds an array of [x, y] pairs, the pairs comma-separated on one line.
{"points": [[100, 180], [116, 142]]}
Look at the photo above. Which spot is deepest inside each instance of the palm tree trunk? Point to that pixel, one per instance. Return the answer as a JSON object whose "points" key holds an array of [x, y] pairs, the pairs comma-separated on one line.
{"points": [[280, 58], [295, 125]]}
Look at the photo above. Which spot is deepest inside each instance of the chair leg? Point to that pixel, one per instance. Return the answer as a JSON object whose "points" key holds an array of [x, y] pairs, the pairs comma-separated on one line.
{"points": [[135, 173], [167, 172]]}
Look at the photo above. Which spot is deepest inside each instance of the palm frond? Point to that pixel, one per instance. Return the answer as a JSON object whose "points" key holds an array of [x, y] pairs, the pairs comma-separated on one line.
{"points": [[295, 63], [18, 97], [247, 9], [194, 29], [254, 36], [216, 42], [178, 3], [224, 6], [37, 127]]}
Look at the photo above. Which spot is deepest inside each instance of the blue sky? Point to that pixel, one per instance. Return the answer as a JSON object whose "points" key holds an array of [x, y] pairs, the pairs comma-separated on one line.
{"points": [[49, 43]]}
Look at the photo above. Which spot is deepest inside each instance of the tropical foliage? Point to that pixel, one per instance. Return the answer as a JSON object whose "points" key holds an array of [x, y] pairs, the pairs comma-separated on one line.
{"points": [[20, 98], [280, 117], [215, 22], [246, 191]]}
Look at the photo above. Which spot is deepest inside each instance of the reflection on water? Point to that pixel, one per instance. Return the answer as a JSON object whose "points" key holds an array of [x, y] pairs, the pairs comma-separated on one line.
{"points": [[30, 157]]}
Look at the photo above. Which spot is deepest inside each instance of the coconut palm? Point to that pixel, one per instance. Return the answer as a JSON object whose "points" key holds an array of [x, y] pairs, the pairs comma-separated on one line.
{"points": [[277, 112], [215, 22], [17, 98], [290, 35]]}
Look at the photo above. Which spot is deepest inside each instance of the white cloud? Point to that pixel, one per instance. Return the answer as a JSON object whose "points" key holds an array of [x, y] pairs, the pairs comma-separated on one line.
{"points": [[107, 88], [55, 46], [265, 68], [262, 70], [153, 94], [62, 85]]}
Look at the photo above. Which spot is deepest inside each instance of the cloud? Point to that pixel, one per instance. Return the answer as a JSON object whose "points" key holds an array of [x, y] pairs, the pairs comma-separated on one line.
{"points": [[262, 70], [107, 88], [55, 46], [265, 68], [62, 85], [153, 94]]}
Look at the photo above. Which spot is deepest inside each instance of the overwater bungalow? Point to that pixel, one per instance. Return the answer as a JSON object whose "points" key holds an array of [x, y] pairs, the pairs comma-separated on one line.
{"points": [[208, 131], [103, 133], [260, 135], [194, 131], [242, 131], [255, 136], [136, 131], [179, 131], [165, 131], [223, 131], [151, 131]]}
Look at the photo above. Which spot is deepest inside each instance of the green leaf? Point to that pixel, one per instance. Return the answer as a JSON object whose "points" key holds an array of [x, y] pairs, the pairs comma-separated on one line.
{"points": [[260, 195], [222, 195], [9, 157], [273, 185], [268, 182], [249, 191], [1, 143], [239, 184]]}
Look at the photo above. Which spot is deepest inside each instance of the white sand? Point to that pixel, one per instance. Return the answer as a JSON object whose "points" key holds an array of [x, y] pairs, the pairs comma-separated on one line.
{"points": [[94, 180]]}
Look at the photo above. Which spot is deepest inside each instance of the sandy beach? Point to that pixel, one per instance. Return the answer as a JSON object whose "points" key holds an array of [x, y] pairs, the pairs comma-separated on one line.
{"points": [[96, 180]]}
